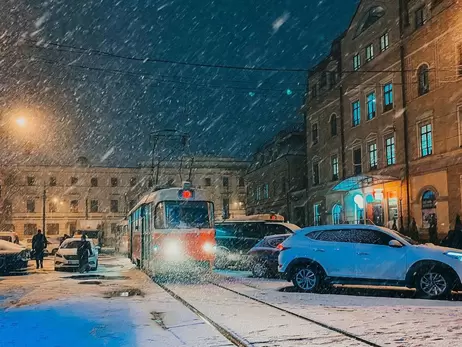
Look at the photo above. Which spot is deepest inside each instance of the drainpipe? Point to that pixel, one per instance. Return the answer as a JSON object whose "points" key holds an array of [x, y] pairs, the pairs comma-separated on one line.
{"points": [[288, 189], [402, 10]]}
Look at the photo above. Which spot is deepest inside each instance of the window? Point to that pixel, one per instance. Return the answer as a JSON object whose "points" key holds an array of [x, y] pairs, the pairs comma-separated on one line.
{"points": [[133, 181], [114, 206], [30, 205], [131, 204], [317, 214], [52, 181], [337, 214], [53, 207], [283, 185], [370, 52], [428, 208], [323, 81], [371, 105], [314, 133], [114, 181], [419, 15], [74, 180], [31, 181], [241, 182], [424, 83], [333, 125], [94, 206], [356, 113], [314, 91], [390, 150], [334, 166], [266, 191], [113, 228], [459, 59], [343, 235], [225, 181], [225, 208], [372, 16], [357, 162], [384, 42], [315, 174], [373, 156], [74, 206], [52, 229], [356, 62], [207, 182], [387, 97], [150, 182], [30, 229], [94, 182], [371, 237], [426, 145], [258, 193]]}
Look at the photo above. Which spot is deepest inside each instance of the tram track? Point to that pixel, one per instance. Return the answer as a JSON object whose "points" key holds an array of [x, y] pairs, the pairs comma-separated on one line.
{"points": [[237, 340], [307, 319]]}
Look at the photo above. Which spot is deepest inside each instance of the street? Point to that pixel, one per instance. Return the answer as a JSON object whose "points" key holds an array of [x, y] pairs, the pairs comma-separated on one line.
{"points": [[120, 306]]}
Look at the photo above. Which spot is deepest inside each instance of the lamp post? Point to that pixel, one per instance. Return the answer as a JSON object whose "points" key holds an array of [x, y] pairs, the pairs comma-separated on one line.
{"points": [[44, 201]]}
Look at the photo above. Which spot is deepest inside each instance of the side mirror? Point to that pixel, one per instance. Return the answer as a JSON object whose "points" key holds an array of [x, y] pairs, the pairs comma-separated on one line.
{"points": [[395, 244]]}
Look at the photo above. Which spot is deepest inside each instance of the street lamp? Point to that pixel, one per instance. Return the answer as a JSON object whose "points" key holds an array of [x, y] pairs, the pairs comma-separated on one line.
{"points": [[21, 122]]}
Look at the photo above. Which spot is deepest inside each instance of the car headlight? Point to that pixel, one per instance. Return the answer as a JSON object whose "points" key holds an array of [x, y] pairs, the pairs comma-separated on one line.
{"points": [[172, 248], [209, 248], [455, 255]]}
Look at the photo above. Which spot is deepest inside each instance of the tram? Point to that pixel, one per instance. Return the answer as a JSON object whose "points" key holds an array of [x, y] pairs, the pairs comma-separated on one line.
{"points": [[172, 229]]}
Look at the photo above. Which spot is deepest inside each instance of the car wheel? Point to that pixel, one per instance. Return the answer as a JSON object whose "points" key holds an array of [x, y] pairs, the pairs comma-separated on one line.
{"points": [[307, 278], [260, 269], [433, 283]]}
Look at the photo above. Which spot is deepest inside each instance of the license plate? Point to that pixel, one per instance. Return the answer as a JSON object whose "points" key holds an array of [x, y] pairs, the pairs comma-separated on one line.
{"points": [[73, 262]]}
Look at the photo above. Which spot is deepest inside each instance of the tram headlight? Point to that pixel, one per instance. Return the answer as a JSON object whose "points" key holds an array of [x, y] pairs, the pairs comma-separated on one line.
{"points": [[209, 248], [172, 248]]}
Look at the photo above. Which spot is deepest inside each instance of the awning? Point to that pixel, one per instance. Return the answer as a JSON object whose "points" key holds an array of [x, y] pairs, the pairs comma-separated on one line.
{"points": [[361, 181]]}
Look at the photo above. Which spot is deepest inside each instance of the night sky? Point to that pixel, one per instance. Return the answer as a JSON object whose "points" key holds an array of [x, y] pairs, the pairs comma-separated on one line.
{"points": [[105, 107]]}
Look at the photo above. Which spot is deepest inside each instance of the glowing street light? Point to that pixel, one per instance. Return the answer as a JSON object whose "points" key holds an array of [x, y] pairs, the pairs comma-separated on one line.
{"points": [[21, 122]]}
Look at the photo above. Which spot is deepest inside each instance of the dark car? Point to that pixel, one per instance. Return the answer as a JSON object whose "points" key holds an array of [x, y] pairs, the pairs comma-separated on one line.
{"points": [[13, 257], [264, 256], [235, 238]]}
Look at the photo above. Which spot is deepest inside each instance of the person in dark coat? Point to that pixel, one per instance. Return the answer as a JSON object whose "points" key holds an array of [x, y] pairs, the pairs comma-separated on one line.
{"points": [[83, 252], [39, 243], [433, 230]]}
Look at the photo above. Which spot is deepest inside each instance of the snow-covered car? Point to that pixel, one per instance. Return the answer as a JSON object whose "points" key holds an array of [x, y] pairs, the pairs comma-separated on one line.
{"points": [[264, 256], [13, 257], [369, 255], [53, 245], [66, 256]]}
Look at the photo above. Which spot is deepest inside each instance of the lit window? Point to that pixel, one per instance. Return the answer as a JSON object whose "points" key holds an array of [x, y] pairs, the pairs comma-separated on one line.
{"points": [[387, 97], [317, 214], [356, 113], [390, 150], [336, 214], [266, 191], [370, 52], [373, 156], [371, 105], [384, 42], [334, 165], [424, 83], [356, 62], [426, 145]]}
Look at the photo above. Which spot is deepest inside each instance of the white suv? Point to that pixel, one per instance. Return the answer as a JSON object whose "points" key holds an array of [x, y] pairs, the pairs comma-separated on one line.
{"points": [[368, 254]]}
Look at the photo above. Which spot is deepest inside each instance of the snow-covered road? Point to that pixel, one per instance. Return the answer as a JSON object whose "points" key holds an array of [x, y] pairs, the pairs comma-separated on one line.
{"points": [[46, 308]]}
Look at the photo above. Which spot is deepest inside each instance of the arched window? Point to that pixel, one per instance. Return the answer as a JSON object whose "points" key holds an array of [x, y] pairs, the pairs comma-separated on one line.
{"points": [[428, 207], [337, 214], [333, 125], [424, 83]]}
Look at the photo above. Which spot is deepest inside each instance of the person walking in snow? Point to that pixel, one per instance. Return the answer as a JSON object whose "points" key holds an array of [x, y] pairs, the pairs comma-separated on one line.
{"points": [[83, 252], [39, 243]]}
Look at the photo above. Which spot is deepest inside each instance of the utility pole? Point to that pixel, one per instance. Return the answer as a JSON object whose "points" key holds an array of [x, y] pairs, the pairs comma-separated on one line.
{"points": [[44, 201]]}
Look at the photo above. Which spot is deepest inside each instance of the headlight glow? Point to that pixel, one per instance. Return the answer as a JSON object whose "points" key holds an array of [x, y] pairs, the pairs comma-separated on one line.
{"points": [[172, 248], [455, 255], [209, 248]]}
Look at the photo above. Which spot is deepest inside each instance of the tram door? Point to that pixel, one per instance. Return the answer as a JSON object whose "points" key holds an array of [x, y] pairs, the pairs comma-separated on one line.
{"points": [[147, 235]]}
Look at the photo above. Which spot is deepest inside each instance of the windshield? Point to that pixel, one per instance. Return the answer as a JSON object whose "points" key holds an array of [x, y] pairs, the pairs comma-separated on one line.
{"points": [[6, 238], [190, 214]]}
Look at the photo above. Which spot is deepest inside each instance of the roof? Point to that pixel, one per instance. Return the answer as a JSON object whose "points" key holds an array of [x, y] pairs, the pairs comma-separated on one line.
{"points": [[360, 181]]}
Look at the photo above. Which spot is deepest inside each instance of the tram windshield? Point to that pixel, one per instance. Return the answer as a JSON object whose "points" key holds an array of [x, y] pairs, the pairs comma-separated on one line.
{"points": [[189, 214]]}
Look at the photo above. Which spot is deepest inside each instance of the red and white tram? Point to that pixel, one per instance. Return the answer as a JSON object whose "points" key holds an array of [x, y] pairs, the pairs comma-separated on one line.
{"points": [[172, 229]]}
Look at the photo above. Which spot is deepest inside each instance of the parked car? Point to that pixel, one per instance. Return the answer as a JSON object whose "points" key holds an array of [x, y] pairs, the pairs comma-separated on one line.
{"points": [[66, 256], [13, 257], [52, 246], [264, 256], [370, 255], [9, 236], [234, 239]]}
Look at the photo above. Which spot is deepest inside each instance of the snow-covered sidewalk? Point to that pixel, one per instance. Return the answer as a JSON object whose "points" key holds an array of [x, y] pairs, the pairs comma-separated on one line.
{"points": [[47, 308]]}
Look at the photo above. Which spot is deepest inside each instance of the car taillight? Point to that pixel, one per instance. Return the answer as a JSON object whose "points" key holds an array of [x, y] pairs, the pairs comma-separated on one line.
{"points": [[281, 248]]}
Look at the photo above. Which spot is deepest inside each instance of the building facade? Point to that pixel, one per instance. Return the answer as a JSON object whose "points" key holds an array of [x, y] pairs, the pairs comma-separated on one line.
{"points": [[276, 178], [70, 197], [384, 118]]}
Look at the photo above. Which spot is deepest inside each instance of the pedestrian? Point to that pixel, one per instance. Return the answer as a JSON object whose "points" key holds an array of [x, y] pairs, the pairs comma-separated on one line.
{"points": [[394, 226], [433, 230], [39, 243], [83, 252]]}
